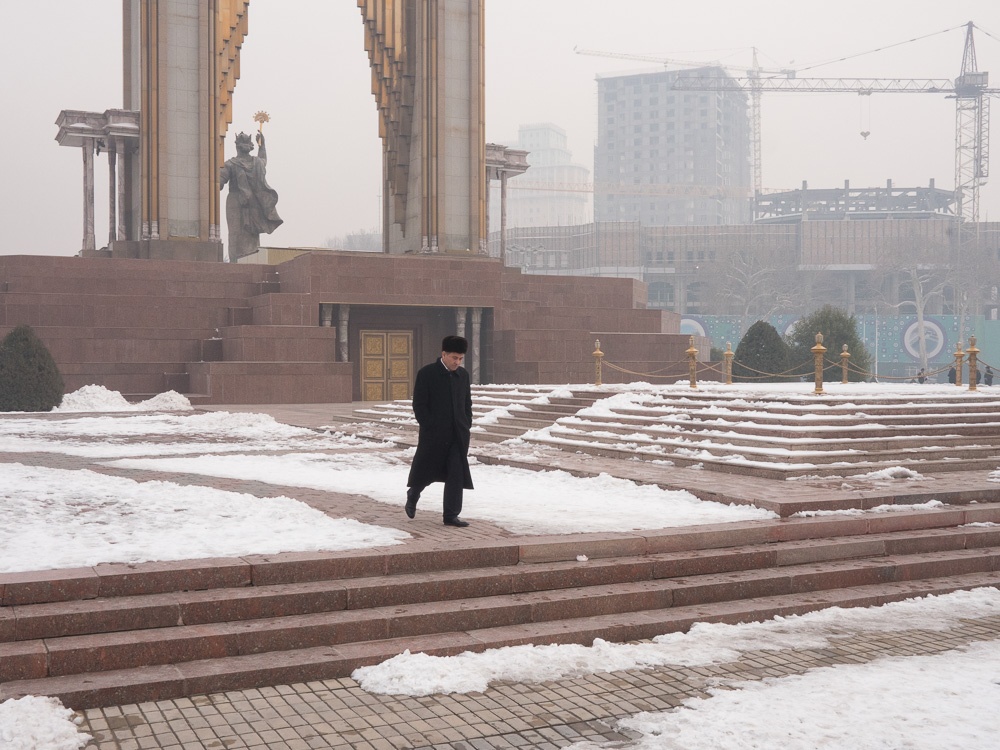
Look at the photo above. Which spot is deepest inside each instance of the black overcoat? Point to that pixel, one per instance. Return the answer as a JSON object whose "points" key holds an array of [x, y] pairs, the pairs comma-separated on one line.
{"points": [[442, 404]]}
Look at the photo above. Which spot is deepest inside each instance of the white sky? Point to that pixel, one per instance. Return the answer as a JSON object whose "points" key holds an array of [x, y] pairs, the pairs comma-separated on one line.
{"points": [[65, 518], [304, 63]]}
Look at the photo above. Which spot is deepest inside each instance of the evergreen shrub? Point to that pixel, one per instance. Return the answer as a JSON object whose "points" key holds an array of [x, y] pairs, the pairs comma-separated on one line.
{"points": [[761, 356], [29, 377]]}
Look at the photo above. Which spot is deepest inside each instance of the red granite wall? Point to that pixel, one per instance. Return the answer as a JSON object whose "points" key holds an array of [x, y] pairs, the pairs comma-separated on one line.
{"points": [[234, 333]]}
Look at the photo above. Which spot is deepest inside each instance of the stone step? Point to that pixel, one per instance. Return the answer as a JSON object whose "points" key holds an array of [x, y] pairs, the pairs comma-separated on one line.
{"points": [[206, 606], [978, 423], [877, 440], [764, 462], [765, 450], [149, 683], [661, 585]]}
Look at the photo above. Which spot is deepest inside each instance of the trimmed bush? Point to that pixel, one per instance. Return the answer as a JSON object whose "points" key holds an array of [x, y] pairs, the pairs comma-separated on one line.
{"points": [[29, 377], [838, 328], [761, 355]]}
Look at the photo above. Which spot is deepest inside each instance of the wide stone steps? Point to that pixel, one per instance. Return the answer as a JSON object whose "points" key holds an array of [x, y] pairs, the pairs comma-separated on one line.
{"points": [[290, 618], [800, 440], [944, 455], [766, 437]]}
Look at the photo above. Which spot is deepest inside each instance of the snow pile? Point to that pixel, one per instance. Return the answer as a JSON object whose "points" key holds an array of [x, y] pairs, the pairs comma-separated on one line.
{"points": [[519, 500], [890, 508], [933, 702], [705, 643], [55, 518], [890, 472], [34, 723], [162, 434], [99, 398]]}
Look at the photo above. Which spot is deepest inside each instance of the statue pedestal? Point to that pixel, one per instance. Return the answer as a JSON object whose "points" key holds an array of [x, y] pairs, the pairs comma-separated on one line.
{"points": [[165, 250]]}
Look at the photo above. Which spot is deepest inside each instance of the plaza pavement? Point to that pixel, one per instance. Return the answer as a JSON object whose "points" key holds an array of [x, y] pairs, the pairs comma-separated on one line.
{"points": [[339, 714]]}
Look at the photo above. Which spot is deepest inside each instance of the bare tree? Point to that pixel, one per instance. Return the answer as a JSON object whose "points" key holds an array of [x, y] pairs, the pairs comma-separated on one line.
{"points": [[916, 272], [756, 282]]}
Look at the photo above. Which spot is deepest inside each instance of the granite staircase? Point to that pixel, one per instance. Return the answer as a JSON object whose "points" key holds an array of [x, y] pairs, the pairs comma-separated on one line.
{"points": [[769, 437], [118, 633]]}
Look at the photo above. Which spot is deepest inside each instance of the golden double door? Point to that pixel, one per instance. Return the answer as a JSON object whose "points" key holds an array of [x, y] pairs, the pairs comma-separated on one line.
{"points": [[386, 365]]}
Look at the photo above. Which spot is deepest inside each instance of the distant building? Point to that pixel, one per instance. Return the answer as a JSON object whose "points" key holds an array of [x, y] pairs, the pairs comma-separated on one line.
{"points": [[554, 191], [671, 157]]}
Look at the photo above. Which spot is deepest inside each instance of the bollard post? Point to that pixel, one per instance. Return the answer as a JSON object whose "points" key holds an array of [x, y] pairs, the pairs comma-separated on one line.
{"points": [[728, 354], [973, 353], [818, 351], [959, 354], [844, 356], [692, 353], [598, 355]]}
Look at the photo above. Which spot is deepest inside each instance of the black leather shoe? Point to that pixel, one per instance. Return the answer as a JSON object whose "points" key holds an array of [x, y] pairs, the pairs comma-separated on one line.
{"points": [[456, 522], [411, 504]]}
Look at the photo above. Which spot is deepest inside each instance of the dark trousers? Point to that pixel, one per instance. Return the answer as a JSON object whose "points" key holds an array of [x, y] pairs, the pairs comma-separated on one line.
{"points": [[454, 485]]}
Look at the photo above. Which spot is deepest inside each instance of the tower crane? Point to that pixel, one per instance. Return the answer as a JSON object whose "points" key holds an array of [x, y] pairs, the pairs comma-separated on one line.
{"points": [[970, 91]]}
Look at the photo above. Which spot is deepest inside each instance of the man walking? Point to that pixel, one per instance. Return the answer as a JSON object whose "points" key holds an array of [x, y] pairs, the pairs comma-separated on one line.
{"points": [[442, 404]]}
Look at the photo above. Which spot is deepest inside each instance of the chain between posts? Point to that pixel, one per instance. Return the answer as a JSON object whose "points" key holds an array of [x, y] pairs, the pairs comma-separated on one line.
{"points": [[818, 364]]}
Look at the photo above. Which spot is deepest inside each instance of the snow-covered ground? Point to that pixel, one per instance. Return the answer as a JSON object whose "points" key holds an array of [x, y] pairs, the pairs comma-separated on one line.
{"points": [[71, 517]]}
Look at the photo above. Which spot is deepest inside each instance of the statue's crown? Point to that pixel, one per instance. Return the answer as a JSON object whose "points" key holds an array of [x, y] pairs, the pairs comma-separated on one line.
{"points": [[244, 138]]}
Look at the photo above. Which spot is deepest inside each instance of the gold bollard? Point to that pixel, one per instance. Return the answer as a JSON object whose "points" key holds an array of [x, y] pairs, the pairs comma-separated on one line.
{"points": [[844, 356], [598, 355], [958, 363], [818, 351], [729, 354], [692, 353], [973, 353]]}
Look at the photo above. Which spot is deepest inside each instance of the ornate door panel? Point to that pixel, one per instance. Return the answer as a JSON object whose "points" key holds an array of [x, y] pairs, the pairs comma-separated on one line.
{"points": [[386, 365]]}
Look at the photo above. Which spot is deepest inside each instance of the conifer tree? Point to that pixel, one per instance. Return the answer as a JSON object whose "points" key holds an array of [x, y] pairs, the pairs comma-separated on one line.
{"points": [[761, 356], [29, 377], [838, 328]]}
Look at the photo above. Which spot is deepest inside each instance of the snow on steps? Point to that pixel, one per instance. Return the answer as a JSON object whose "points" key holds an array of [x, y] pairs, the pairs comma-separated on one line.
{"points": [[132, 633], [773, 437]]}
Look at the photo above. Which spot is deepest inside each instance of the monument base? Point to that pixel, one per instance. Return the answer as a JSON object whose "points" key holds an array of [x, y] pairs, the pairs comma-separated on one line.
{"points": [[161, 250]]}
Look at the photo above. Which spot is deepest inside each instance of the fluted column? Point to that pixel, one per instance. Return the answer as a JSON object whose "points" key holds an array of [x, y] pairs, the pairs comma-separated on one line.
{"points": [[460, 321]]}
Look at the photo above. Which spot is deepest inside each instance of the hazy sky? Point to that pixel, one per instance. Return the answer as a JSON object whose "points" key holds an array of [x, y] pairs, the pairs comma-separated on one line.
{"points": [[304, 62]]}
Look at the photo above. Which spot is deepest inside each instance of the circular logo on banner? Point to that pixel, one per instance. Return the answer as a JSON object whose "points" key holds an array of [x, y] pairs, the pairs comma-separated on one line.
{"points": [[692, 327], [933, 339]]}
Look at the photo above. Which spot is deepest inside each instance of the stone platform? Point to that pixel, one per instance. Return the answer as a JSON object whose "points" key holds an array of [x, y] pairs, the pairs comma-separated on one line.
{"points": [[257, 651]]}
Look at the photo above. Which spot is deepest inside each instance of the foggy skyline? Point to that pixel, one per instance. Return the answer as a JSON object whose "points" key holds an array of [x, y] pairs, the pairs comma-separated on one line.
{"points": [[304, 62]]}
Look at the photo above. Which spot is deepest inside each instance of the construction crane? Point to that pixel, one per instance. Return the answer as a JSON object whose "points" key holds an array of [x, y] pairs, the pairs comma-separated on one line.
{"points": [[970, 90]]}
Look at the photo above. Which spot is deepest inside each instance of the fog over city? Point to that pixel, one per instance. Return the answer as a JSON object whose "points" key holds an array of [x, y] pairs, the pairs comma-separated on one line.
{"points": [[304, 63]]}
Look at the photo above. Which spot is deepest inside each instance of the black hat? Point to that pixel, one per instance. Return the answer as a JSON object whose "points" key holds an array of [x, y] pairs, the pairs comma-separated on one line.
{"points": [[455, 344]]}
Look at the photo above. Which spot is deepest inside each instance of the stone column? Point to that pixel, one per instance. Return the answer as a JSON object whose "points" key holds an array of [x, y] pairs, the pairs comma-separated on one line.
{"points": [[460, 321], [477, 321], [120, 230], [89, 241], [343, 318], [503, 218], [112, 194]]}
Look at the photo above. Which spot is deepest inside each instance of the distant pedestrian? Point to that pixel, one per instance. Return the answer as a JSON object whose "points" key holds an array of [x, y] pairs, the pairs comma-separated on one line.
{"points": [[988, 377], [921, 376], [951, 375]]}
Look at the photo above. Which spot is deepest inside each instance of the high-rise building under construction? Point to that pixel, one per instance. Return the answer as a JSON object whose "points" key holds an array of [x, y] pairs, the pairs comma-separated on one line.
{"points": [[671, 157]]}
